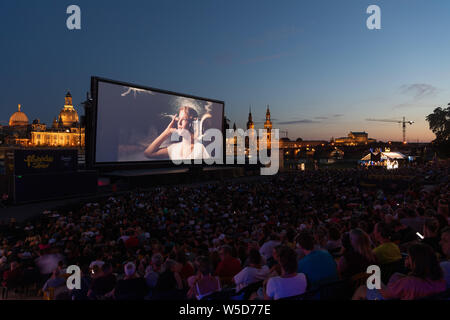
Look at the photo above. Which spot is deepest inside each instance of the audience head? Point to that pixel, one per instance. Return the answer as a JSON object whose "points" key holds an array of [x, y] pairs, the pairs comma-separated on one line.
{"points": [[225, 252], [423, 262], [443, 207], [157, 261], [334, 234], [360, 242], [306, 241], [445, 241], [96, 270], [288, 260], [430, 228], [276, 252], [203, 265], [107, 268], [346, 243], [15, 265], [382, 232], [388, 218], [129, 269], [171, 265], [254, 257]]}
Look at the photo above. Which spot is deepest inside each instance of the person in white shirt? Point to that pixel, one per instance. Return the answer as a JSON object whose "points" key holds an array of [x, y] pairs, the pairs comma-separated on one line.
{"points": [[290, 283], [254, 272]]}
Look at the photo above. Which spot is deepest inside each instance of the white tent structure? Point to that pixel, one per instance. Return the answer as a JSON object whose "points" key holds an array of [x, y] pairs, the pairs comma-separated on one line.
{"points": [[387, 158], [392, 156], [392, 159]]}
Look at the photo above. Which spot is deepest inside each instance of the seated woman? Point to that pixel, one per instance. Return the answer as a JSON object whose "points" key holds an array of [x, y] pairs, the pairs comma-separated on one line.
{"points": [[425, 278], [203, 284], [357, 255], [290, 283], [254, 272]]}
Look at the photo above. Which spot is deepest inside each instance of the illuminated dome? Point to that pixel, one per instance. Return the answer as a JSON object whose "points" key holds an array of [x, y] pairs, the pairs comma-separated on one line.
{"points": [[68, 116], [18, 118]]}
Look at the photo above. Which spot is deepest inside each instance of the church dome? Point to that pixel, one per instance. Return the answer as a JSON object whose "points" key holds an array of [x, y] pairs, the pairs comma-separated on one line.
{"points": [[18, 118], [68, 116]]}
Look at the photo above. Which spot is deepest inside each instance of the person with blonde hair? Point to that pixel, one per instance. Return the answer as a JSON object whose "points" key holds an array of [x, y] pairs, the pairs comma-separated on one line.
{"points": [[358, 254], [188, 148]]}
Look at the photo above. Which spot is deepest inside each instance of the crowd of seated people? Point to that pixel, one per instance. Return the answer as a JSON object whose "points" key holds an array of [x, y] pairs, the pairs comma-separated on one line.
{"points": [[279, 237]]}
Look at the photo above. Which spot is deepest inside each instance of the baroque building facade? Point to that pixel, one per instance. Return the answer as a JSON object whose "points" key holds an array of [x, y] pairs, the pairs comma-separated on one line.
{"points": [[65, 131]]}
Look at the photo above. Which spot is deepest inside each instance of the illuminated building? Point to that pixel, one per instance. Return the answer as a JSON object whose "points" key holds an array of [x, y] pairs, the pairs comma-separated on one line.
{"points": [[250, 124], [268, 127], [284, 143], [354, 139], [65, 131], [18, 129], [251, 133], [18, 118]]}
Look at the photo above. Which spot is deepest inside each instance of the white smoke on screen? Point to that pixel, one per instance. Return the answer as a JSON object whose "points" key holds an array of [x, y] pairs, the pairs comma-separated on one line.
{"points": [[135, 90]]}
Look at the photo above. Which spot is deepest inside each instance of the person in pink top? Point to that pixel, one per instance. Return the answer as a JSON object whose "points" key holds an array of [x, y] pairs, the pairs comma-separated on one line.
{"points": [[425, 279], [203, 284]]}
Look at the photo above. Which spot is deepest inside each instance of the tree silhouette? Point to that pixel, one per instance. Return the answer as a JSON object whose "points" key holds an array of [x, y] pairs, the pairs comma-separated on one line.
{"points": [[439, 123]]}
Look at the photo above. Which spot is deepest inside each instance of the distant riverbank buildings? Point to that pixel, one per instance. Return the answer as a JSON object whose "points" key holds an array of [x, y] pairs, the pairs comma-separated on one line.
{"points": [[65, 131], [284, 142], [295, 154], [354, 139]]}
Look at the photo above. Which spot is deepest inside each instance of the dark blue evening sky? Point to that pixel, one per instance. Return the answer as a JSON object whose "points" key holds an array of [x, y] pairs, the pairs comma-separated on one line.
{"points": [[315, 62]]}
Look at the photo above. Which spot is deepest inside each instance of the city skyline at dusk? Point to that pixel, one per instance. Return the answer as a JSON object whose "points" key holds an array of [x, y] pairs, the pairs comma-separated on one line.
{"points": [[316, 64], [119, 181]]}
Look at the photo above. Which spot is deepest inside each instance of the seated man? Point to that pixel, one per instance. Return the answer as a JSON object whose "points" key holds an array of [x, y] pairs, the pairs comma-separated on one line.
{"points": [[402, 234], [387, 252], [267, 248], [228, 266], [57, 283], [154, 270], [318, 265], [254, 272]]}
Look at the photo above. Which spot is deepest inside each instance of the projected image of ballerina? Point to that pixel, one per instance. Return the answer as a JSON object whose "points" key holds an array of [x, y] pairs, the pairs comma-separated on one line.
{"points": [[185, 124]]}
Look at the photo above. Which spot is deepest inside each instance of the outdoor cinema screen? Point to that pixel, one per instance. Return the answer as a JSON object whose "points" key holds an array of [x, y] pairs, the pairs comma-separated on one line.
{"points": [[136, 124]]}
